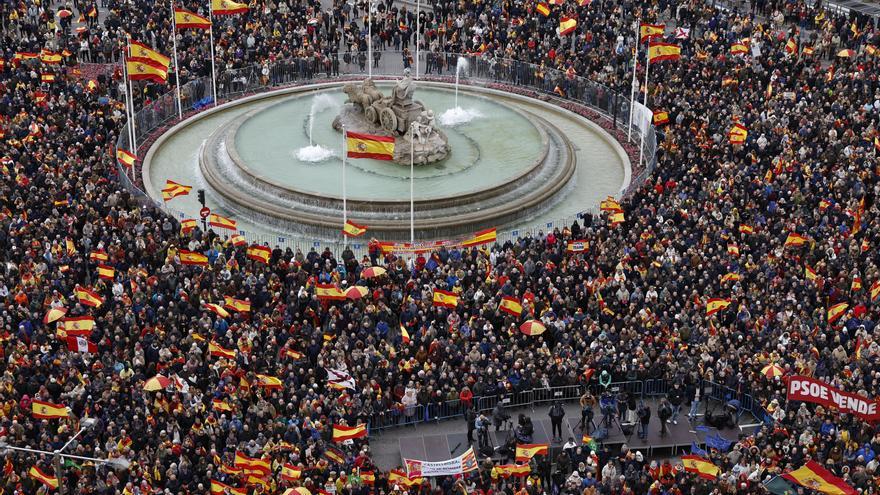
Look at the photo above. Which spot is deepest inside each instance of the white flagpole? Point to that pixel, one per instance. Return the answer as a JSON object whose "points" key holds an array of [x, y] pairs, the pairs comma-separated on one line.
{"points": [[632, 93], [176, 67], [131, 100], [128, 104], [213, 69], [644, 131], [412, 178], [344, 203], [418, 26], [370, 39]]}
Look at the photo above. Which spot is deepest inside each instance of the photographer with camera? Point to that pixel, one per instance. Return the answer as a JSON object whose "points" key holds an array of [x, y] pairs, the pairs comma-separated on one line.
{"points": [[482, 426], [499, 416], [587, 402]]}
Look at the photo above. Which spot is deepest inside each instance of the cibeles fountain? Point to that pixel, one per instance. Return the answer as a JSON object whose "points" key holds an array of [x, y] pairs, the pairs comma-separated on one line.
{"points": [[417, 137], [490, 158]]}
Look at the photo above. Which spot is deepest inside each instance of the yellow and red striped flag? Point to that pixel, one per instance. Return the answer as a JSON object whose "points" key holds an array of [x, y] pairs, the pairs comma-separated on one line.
{"points": [[236, 304], [659, 52], [815, 477], [106, 272], [567, 25], [715, 305], [730, 276], [737, 134], [511, 306], [610, 205], [809, 273], [227, 7], [351, 229], [217, 309], [746, 229], [216, 350], [329, 292], [188, 225], [739, 48], [650, 31], [48, 410], [290, 472], [445, 299], [791, 46], [139, 70], [37, 474], [125, 157], [700, 466], [794, 240], [192, 258], [88, 297], [269, 382], [139, 52], [218, 488], [661, 117], [525, 451], [543, 9], [185, 19], [482, 237], [215, 220], [259, 253], [173, 189], [836, 311], [361, 145], [79, 326], [343, 433]]}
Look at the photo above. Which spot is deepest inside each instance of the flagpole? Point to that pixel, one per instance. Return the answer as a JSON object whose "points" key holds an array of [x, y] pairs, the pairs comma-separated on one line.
{"points": [[176, 67], [644, 131], [418, 26], [412, 178], [344, 203], [211, 34], [632, 92], [131, 102], [370, 39], [128, 105]]}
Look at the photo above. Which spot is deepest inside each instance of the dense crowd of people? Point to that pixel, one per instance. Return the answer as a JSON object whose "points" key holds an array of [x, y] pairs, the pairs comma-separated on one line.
{"points": [[711, 222]]}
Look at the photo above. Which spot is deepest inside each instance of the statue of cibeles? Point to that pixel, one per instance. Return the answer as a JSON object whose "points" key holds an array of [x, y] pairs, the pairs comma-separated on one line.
{"points": [[402, 93]]}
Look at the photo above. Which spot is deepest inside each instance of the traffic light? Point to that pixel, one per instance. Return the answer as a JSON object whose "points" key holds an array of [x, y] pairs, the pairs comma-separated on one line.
{"points": [[202, 196]]}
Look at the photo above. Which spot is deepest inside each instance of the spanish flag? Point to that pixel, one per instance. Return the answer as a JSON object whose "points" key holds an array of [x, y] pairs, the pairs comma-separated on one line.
{"points": [[269, 382], [511, 306], [737, 134], [237, 240], [185, 19], [733, 249], [192, 258], [739, 48], [351, 229], [398, 477], [218, 488], [650, 31], [334, 455], [404, 334], [173, 189], [791, 46], [217, 309], [289, 472], [810, 273], [80, 326], [746, 229], [106, 272], [482, 237], [259, 253], [700, 466], [368, 478], [730, 276], [875, 291], [47, 410], [445, 299], [856, 284], [93, 12], [836, 311], [50, 481], [329, 292], [616, 218], [216, 350], [794, 240], [292, 354], [188, 225], [808, 50], [715, 305], [144, 71], [125, 157], [610, 204], [47, 77], [369, 146], [343, 433], [567, 25], [227, 7], [139, 52], [815, 477], [88, 297], [661, 117], [220, 405], [525, 451], [237, 304], [658, 52], [543, 9], [514, 470], [215, 220], [50, 58]]}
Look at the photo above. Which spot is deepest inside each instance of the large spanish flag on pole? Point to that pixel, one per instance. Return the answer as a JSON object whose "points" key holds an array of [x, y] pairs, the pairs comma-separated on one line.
{"points": [[222, 222], [351, 229], [648, 32], [139, 70], [369, 146], [658, 52], [343, 433], [482, 237], [125, 157], [140, 52], [189, 20], [227, 7], [813, 476]]}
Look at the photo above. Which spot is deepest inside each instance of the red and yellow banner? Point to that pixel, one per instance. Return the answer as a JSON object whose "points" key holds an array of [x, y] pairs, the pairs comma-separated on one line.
{"points": [[139, 52], [192, 258], [737, 134], [37, 474], [567, 25], [144, 71], [329, 292]]}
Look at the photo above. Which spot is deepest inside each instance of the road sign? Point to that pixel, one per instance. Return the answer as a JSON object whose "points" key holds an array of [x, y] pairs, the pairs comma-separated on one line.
{"points": [[204, 212]]}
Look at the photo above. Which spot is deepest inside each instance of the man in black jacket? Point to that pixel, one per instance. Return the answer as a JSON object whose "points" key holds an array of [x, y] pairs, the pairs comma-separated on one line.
{"points": [[676, 397], [644, 413], [664, 412], [556, 414]]}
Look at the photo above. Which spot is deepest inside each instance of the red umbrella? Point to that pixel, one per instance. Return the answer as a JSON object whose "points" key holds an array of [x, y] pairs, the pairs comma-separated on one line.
{"points": [[64, 13], [158, 382], [532, 327], [373, 271], [356, 292], [847, 53]]}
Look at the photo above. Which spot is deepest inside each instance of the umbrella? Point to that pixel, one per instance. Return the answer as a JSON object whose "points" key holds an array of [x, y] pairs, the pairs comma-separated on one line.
{"points": [[772, 371], [158, 382], [64, 13], [532, 327], [356, 292], [373, 271], [847, 53]]}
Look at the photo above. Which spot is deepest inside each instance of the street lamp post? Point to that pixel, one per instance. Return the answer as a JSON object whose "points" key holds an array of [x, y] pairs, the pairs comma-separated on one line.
{"points": [[57, 455]]}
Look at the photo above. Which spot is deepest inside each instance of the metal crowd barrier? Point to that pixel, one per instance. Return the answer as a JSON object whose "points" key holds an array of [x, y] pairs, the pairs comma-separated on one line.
{"points": [[643, 389]]}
